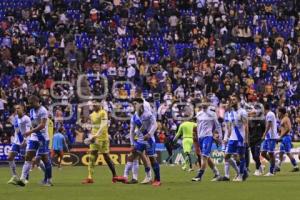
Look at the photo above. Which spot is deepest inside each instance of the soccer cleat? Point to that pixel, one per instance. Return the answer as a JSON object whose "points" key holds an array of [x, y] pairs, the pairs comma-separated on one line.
{"points": [[156, 183], [13, 180], [133, 181], [88, 181], [147, 180], [216, 178], [190, 169], [269, 174], [21, 183], [225, 178], [277, 169], [238, 179], [183, 168], [47, 183], [257, 173], [121, 179], [295, 169], [196, 179], [245, 175]]}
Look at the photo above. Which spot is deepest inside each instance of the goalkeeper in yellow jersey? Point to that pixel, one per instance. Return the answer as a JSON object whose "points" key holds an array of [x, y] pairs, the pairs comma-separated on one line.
{"points": [[99, 142], [186, 132]]}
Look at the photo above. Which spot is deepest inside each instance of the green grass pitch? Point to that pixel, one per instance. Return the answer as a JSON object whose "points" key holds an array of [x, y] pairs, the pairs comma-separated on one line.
{"points": [[176, 186]]}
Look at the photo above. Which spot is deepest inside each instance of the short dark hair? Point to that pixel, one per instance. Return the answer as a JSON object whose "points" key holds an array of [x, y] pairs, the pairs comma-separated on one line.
{"points": [[61, 129], [236, 96], [267, 106], [34, 98], [282, 110]]}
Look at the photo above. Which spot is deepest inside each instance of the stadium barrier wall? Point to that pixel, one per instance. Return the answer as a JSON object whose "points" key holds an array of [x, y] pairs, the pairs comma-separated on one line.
{"points": [[78, 156]]}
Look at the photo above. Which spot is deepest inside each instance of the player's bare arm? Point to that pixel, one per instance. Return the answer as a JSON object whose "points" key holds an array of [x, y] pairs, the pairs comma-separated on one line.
{"points": [[41, 126], [268, 126]]}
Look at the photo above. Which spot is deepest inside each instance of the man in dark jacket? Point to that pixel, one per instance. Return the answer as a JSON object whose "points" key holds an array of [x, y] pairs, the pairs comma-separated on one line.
{"points": [[256, 130]]}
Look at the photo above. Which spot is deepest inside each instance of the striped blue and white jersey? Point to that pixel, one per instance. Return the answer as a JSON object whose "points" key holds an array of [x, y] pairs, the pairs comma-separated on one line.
{"points": [[145, 124], [21, 126], [36, 117], [273, 132], [236, 119], [207, 122], [225, 124]]}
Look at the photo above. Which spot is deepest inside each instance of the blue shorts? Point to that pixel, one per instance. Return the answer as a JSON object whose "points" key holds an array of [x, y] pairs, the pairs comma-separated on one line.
{"points": [[235, 147], [286, 144], [268, 145], [205, 144], [41, 147], [15, 148], [149, 148]]}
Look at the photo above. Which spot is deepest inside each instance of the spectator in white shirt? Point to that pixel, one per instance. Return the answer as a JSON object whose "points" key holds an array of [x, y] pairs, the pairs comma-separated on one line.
{"points": [[131, 72], [131, 59], [173, 21]]}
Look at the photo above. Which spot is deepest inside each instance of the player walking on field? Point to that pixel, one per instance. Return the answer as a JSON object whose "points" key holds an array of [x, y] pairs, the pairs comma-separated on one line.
{"points": [[238, 139], [133, 158], [38, 144], [99, 142], [22, 124], [270, 137], [286, 139], [207, 121], [145, 121], [186, 132]]}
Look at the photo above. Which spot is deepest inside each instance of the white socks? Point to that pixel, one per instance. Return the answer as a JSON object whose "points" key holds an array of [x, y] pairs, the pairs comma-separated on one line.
{"points": [[42, 166], [26, 169], [234, 165], [216, 171], [12, 166], [127, 169], [227, 168], [135, 169]]}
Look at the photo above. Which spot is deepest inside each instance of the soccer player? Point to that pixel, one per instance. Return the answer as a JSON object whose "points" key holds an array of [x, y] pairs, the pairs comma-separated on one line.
{"points": [[58, 144], [146, 123], [210, 163], [238, 139], [286, 139], [22, 124], [206, 121], [185, 131], [38, 144], [231, 161], [133, 158], [270, 137], [99, 142]]}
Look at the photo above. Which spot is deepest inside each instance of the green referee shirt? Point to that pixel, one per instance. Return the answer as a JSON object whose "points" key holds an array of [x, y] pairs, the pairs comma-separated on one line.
{"points": [[186, 130]]}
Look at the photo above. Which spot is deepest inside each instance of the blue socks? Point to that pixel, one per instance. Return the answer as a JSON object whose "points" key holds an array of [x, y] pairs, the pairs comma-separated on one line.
{"points": [[272, 167], [156, 170], [48, 170], [200, 173], [242, 165], [147, 169], [294, 163]]}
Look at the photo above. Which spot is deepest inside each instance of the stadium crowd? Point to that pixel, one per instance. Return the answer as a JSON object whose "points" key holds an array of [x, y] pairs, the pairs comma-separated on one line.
{"points": [[176, 51]]}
